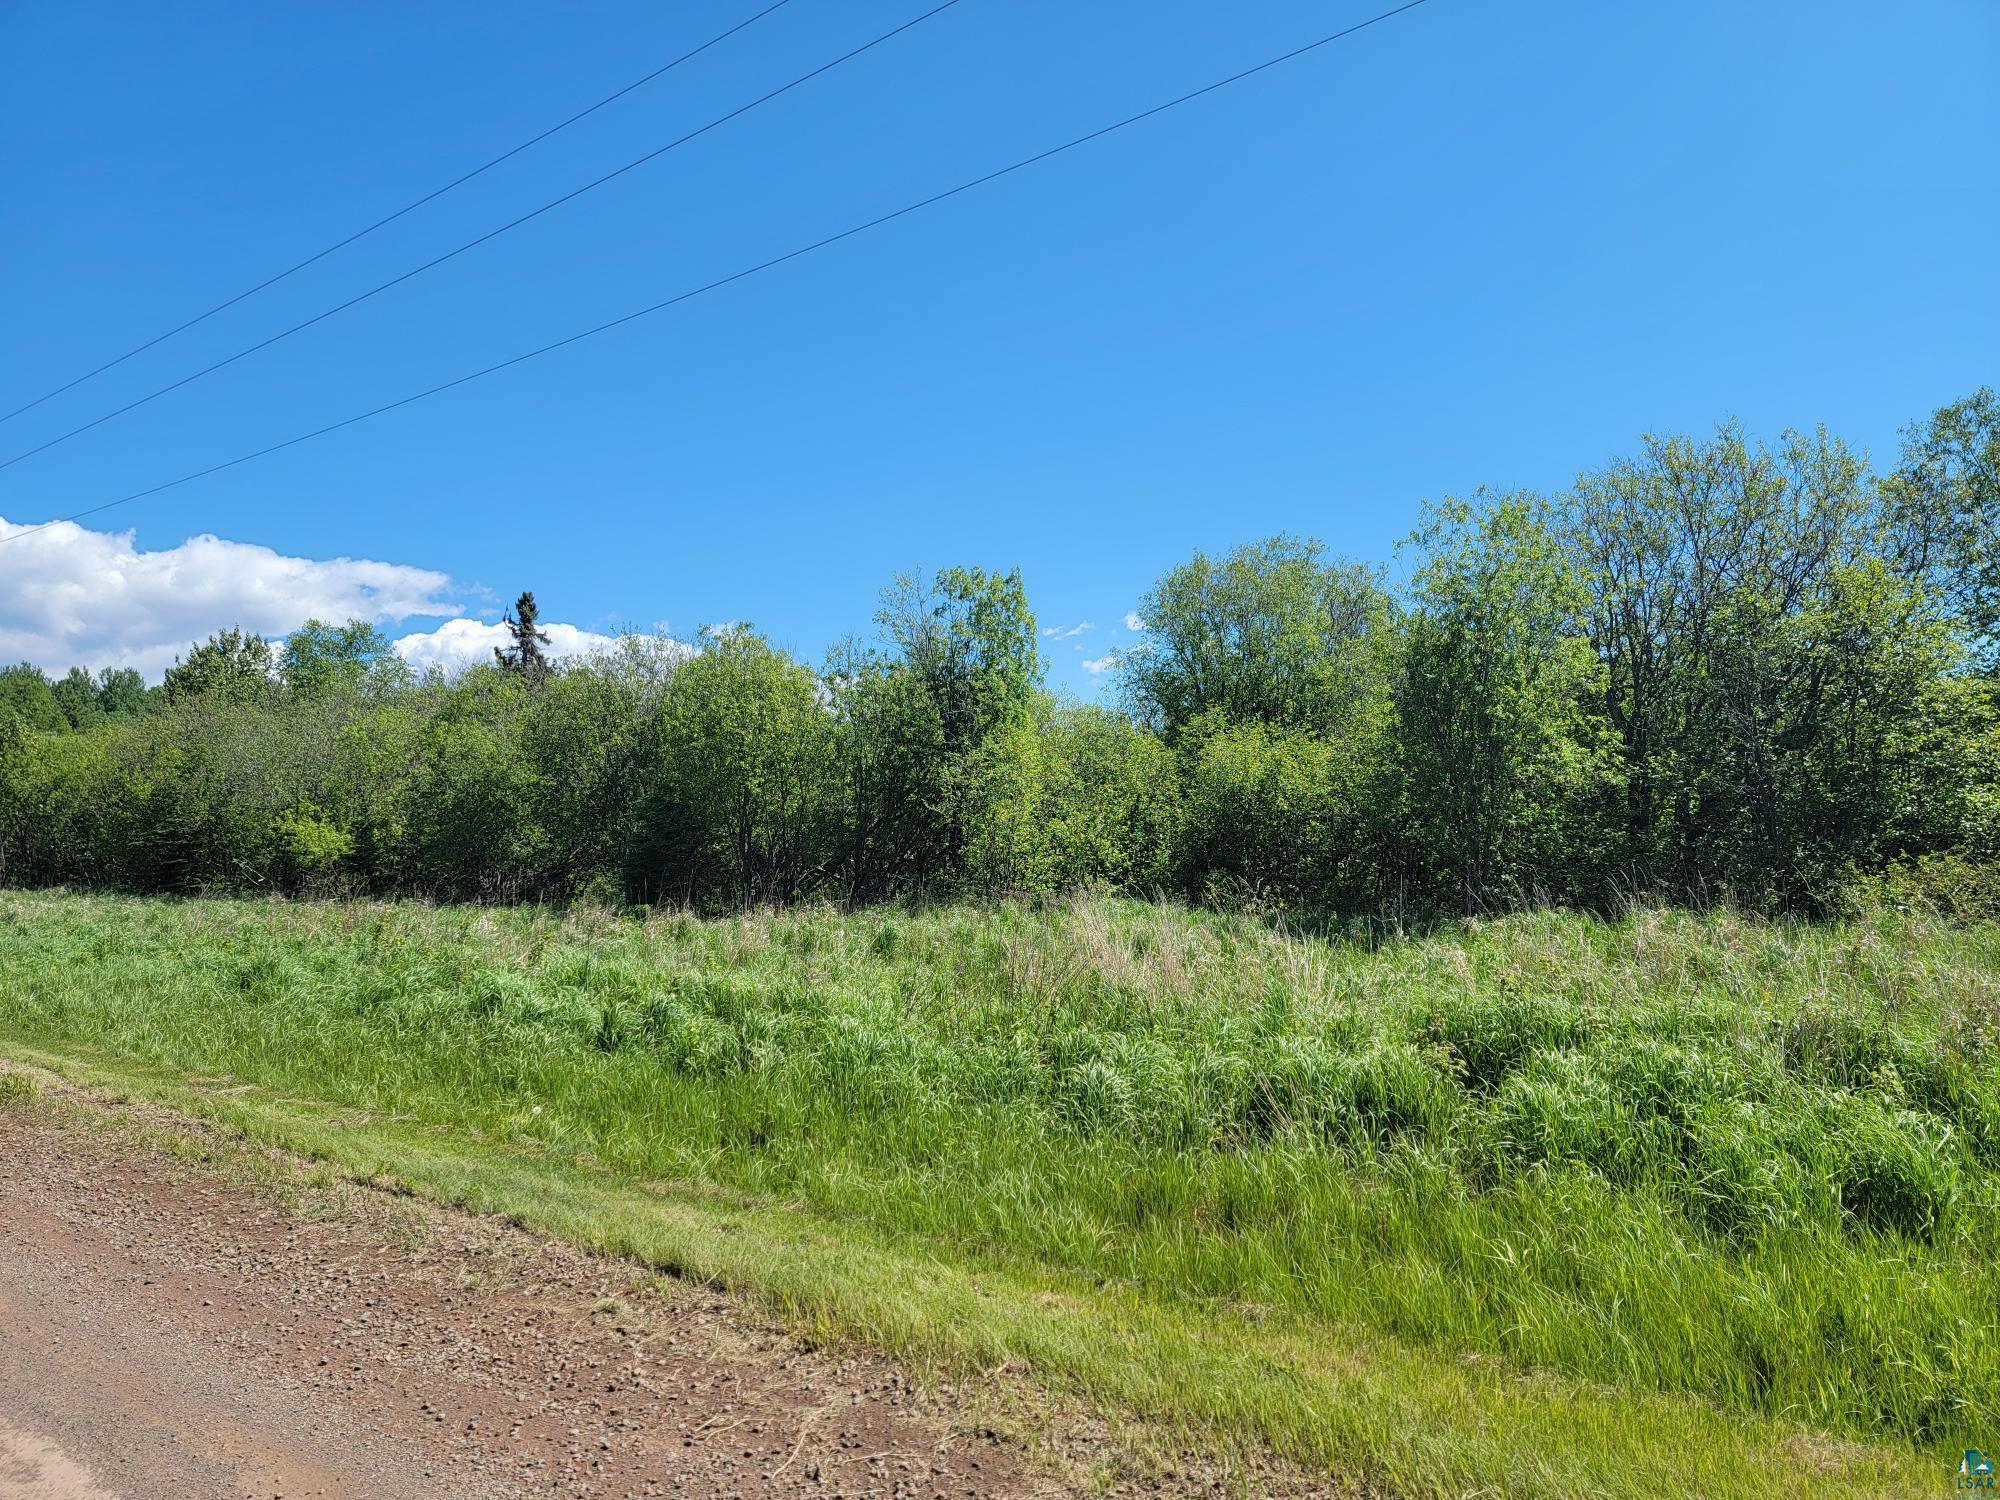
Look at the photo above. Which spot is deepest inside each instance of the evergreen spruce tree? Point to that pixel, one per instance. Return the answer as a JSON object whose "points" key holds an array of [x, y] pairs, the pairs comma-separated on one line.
{"points": [[525, 656]]}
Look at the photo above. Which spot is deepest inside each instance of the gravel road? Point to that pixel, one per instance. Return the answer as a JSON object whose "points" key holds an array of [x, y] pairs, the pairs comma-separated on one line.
{"points": [[178, 1329]]}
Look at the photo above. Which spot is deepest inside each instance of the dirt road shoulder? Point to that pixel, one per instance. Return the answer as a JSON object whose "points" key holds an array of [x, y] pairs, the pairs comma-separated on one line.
{"points": [[182, 1317]]}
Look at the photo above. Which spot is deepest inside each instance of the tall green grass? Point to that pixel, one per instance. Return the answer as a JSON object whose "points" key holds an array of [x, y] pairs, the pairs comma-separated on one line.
{"points": [[1685, 1154]]}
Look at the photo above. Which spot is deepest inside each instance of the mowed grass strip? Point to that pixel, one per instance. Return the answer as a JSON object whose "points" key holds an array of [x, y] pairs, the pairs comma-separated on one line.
{"points": [[1278, 1186]]}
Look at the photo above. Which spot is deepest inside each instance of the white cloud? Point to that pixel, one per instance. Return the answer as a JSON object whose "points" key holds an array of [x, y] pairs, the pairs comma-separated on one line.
{"points": [[70, 596], [1097, 666], [1067, 632], [1133, 623], [458, 644]]}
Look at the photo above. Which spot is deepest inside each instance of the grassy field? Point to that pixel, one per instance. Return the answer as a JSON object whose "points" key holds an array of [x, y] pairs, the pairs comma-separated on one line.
{"points": [[1676, 1204]]}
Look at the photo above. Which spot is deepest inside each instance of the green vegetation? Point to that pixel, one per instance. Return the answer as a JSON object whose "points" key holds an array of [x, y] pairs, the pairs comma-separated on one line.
{"points": [[1715, 669], [1647, 1201], [1698, 1180]]}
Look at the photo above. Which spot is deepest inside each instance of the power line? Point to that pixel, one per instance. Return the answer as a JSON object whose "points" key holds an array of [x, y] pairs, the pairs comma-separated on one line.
{"points": [[410, 207], [774, 261], [536, 213]]}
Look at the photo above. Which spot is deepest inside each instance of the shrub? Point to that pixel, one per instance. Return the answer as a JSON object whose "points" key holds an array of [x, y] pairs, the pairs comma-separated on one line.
{"points": [[1945, 884], [312, 847], [1272, 811]]}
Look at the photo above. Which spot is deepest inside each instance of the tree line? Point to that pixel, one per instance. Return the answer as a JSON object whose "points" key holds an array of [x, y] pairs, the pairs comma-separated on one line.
{"points": [[1715, 669]]}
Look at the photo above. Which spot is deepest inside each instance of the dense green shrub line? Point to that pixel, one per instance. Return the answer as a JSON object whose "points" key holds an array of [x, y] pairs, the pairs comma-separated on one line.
{"points": [[1702, 1154], [1717, 668]]}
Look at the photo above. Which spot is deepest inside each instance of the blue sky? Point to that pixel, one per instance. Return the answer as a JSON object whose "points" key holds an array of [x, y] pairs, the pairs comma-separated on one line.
{"points": [[1479, 243]]}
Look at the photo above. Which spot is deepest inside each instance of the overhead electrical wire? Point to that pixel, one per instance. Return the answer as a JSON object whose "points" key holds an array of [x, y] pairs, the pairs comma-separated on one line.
{"points": [[749, 271], [388, 219], [438, 260]]}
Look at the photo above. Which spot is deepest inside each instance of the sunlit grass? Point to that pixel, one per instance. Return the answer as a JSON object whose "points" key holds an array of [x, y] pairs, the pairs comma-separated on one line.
{"points": [[1679, 1154]]}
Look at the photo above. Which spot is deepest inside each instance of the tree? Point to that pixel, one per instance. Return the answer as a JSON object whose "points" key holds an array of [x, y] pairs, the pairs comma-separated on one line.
{"points": [[122, 691], [467, 821], [1109, 802], [26, 695], [969, 639], [61, 820], [1699, 559], [1505, 761], [586, 735], [317, 657], [525, 657], [76, 696], [891, 755], [1874, 728], [959, 665], [1716, 667], [1943, 504], [743, 807], [1273, 633], [230, 665], [1066, 796]]}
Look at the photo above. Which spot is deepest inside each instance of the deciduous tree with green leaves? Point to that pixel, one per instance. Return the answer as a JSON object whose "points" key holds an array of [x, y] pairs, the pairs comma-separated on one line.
{"points": [[744, 807], [1505, 762], [231, 664], [318, 658], [1273, 632], [27, 696], [958, 665], [1943, 504], [76, 695]]}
